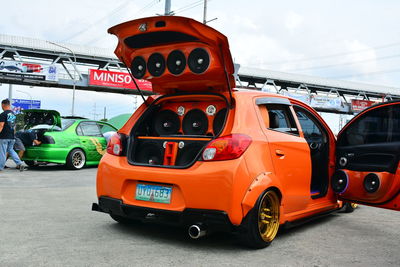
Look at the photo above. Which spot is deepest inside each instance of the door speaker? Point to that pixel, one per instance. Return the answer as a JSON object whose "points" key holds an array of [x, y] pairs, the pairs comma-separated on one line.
{"points": [[138, 67], [371, 182], [339, 181], [198, 60], [156, 64], [166, 122], [219, 120], [149, 152], [195, 122], [176, 62], [188, 153]]}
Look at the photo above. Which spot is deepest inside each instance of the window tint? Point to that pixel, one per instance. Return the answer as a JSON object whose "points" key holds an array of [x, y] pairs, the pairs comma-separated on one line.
{"points": [[376, 126], [66, 123], [281, 119], [310, 127], [106, 128], [90, 129]]}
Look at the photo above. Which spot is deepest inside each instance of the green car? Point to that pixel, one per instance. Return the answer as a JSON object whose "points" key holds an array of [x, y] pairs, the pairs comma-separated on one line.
{"points": [[73, 141]]}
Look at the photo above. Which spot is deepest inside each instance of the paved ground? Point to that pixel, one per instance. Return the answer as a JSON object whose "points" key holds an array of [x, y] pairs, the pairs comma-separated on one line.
{"points": [[45, 220]]}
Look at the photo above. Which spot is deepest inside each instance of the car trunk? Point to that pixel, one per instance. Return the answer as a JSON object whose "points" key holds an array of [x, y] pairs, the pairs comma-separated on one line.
{"points": [[173, 131]]}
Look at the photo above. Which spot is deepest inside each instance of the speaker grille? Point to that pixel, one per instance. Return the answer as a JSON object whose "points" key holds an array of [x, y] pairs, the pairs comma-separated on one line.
{"points": [[138, 67], [339, 181], [371, 183], [188, 153], [156, 64], [166, 122], [195, 122], [149, 152], [198, 60], [219, 120], [176, 62]]}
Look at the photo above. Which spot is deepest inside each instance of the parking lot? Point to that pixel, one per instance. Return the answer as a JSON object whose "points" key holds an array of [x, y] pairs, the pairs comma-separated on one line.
{"points": [[46, 219]]}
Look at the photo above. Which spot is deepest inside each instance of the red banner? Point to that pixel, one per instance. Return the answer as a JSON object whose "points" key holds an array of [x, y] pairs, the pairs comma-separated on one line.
{"points": [[359, 105], [116, 79]]}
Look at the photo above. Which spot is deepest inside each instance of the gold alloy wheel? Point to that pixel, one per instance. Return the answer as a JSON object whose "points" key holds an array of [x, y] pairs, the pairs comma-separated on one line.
{"points": [[354, 205], [268, 216]]}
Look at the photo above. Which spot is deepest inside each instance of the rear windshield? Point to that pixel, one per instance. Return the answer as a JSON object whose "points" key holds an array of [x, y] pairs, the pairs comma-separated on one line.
{"points": [[66, 123]]}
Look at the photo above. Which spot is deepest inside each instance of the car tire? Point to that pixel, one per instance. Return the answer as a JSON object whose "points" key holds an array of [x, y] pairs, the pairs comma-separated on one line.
{"points": [[261, 224], [76, 159], [121, 219], [349, 207]]}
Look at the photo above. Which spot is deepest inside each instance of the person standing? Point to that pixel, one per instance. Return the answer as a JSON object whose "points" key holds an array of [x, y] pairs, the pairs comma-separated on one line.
{"points": [[7, 139]]}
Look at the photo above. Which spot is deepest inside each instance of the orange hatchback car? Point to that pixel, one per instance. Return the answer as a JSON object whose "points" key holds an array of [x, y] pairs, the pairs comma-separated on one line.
{"points": [[212, 158]]}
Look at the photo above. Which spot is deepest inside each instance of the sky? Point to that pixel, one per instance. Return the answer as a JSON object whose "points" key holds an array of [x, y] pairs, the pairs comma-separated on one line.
{"points": [[356, 40]]}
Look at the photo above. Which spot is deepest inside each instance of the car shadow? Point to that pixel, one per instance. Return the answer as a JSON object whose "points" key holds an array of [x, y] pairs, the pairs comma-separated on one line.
{"points": [[55, 167], [177, 236]]}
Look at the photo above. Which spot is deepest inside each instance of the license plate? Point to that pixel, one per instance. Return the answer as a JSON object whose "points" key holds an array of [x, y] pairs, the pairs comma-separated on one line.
{"points": [[153, 193]]}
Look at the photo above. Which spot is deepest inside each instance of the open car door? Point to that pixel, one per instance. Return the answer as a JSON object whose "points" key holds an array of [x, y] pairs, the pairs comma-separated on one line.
{"points": [[367, 158]]}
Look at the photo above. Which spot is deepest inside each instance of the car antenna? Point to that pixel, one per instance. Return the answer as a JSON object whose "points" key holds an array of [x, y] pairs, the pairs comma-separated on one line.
{"points": [[227, 78], [134, 81]]}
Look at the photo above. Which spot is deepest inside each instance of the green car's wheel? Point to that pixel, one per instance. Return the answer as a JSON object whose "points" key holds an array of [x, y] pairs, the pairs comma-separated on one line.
{"points": [[76, 159], [262, 223]]}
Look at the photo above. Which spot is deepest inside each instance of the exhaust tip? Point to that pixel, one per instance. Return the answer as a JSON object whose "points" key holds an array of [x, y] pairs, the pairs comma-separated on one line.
{"points": [[195, 231]]}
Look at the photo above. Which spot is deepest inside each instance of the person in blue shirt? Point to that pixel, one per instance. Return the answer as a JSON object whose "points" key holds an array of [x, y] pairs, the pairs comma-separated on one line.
{"points": [[7, 138]]}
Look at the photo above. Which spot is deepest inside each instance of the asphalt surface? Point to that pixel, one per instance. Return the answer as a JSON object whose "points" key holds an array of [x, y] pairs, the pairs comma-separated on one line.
{"points": [[46, 220]]}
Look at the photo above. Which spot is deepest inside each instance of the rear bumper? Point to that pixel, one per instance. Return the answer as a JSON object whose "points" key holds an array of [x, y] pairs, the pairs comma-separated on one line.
{"points": [[212, 219], [50, 153]]}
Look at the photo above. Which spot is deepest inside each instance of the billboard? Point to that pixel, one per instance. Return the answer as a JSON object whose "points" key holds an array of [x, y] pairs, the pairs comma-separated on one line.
{"points": [[22, 104], [17, 70], [358, 105], [116, 79]]}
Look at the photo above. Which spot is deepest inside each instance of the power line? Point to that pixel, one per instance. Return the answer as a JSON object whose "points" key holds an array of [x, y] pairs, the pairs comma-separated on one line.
{"points": [[97, 21], [188, 7], [346, 63], [335, 55], [366, 73]]}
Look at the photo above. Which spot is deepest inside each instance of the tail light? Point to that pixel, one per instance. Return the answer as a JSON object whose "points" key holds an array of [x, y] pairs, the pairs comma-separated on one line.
{"points": [[115, 145], [226, 147]]}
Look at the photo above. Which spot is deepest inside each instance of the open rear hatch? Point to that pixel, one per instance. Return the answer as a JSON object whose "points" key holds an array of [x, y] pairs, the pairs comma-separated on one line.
{"points": [[180, 57], [176, 54]]}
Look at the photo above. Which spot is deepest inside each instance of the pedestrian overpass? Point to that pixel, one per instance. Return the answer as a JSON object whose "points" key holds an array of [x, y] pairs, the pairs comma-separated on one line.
{"points": [[34, 62]]}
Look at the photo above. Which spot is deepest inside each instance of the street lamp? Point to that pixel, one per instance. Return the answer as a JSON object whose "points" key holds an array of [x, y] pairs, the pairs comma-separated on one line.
{"points": [[74, 81], [28, 94]]}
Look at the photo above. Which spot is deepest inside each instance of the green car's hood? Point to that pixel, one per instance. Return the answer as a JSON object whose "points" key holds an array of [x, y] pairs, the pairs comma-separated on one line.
{"points": [[34, 117]]}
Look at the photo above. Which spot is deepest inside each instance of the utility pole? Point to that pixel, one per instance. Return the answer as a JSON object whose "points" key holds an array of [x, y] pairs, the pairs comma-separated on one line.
{"points": [[105, 111], [167, 7], [205, 12], [10, 93]]}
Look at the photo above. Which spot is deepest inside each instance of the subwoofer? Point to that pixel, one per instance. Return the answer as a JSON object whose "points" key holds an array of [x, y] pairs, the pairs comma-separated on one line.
{"points": [[176, 62], [195, 122], [149, 152], [219, 120], [166, 122], [156, 64], [198, 60], [339, 181], [371, 182], [188, 153], [138, 67]]}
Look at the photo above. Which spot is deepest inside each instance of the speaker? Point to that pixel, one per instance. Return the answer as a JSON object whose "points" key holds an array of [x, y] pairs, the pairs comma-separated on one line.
{"points": [[371, 182], [156, 64], [219, 120], [195, 122], [138, 67], [188, 153], [166, 122], [149, 152], [339, 181], [198, 60], [48, 119], [176, 62]]}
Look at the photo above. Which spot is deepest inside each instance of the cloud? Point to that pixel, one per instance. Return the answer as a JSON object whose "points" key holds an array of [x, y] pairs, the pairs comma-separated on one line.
{"points": [[293, 20]]}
